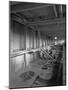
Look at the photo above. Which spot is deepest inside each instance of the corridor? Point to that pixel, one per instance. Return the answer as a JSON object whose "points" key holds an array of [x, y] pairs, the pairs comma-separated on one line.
{"points": [[37, 36]]}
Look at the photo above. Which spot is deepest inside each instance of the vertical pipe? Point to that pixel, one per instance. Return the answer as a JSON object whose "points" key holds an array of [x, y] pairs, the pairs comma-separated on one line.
{"points": [[25, 47], [38, 39], [34, 46], [60, 11], [33, 39], [46, 43], [55, 10], [30, 42]]}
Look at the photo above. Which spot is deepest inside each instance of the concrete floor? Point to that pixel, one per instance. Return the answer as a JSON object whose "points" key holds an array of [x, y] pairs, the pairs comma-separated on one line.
{"points": [[33, 75], [32, 81]]}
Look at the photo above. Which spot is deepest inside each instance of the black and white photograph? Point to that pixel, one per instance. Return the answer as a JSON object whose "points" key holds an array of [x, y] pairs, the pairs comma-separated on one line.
{"points": [[37, 44]]}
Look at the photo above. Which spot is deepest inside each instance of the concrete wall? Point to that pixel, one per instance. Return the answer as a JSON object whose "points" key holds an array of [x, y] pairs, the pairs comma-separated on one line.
{"points": [[22, 38]]}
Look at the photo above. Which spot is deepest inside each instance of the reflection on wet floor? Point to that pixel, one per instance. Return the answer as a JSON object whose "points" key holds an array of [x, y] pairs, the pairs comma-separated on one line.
{"points": [[37, 44], [41, 72]]}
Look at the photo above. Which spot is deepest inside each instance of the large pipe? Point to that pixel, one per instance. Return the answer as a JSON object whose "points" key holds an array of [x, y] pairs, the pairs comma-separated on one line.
{"points": [[55, 10], [60, 11]]}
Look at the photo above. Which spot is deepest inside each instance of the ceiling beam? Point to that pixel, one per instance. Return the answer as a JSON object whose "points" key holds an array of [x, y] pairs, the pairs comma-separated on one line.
{"points": [[46, 22], [21, 8], [42, 23]]}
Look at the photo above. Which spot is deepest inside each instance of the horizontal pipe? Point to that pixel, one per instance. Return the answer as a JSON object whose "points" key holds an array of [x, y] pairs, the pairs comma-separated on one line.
{"points": [[55, 21], [23, 52], [45, 22]]}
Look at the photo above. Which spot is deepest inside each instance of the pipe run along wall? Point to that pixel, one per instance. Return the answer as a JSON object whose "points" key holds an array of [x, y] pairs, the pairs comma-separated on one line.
{"points": [[23, 38]]}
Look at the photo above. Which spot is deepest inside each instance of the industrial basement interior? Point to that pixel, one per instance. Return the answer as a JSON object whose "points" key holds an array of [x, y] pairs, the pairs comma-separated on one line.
{"points": [[37, 44]]}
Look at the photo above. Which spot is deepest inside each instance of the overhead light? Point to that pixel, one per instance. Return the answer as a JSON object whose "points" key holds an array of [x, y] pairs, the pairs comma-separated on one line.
{"points": [[55, 38]]}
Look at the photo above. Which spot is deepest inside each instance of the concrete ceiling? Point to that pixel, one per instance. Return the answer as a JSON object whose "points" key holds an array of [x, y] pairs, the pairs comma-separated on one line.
{"points": [[54, 30], [33, 13], [43, 12]]}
